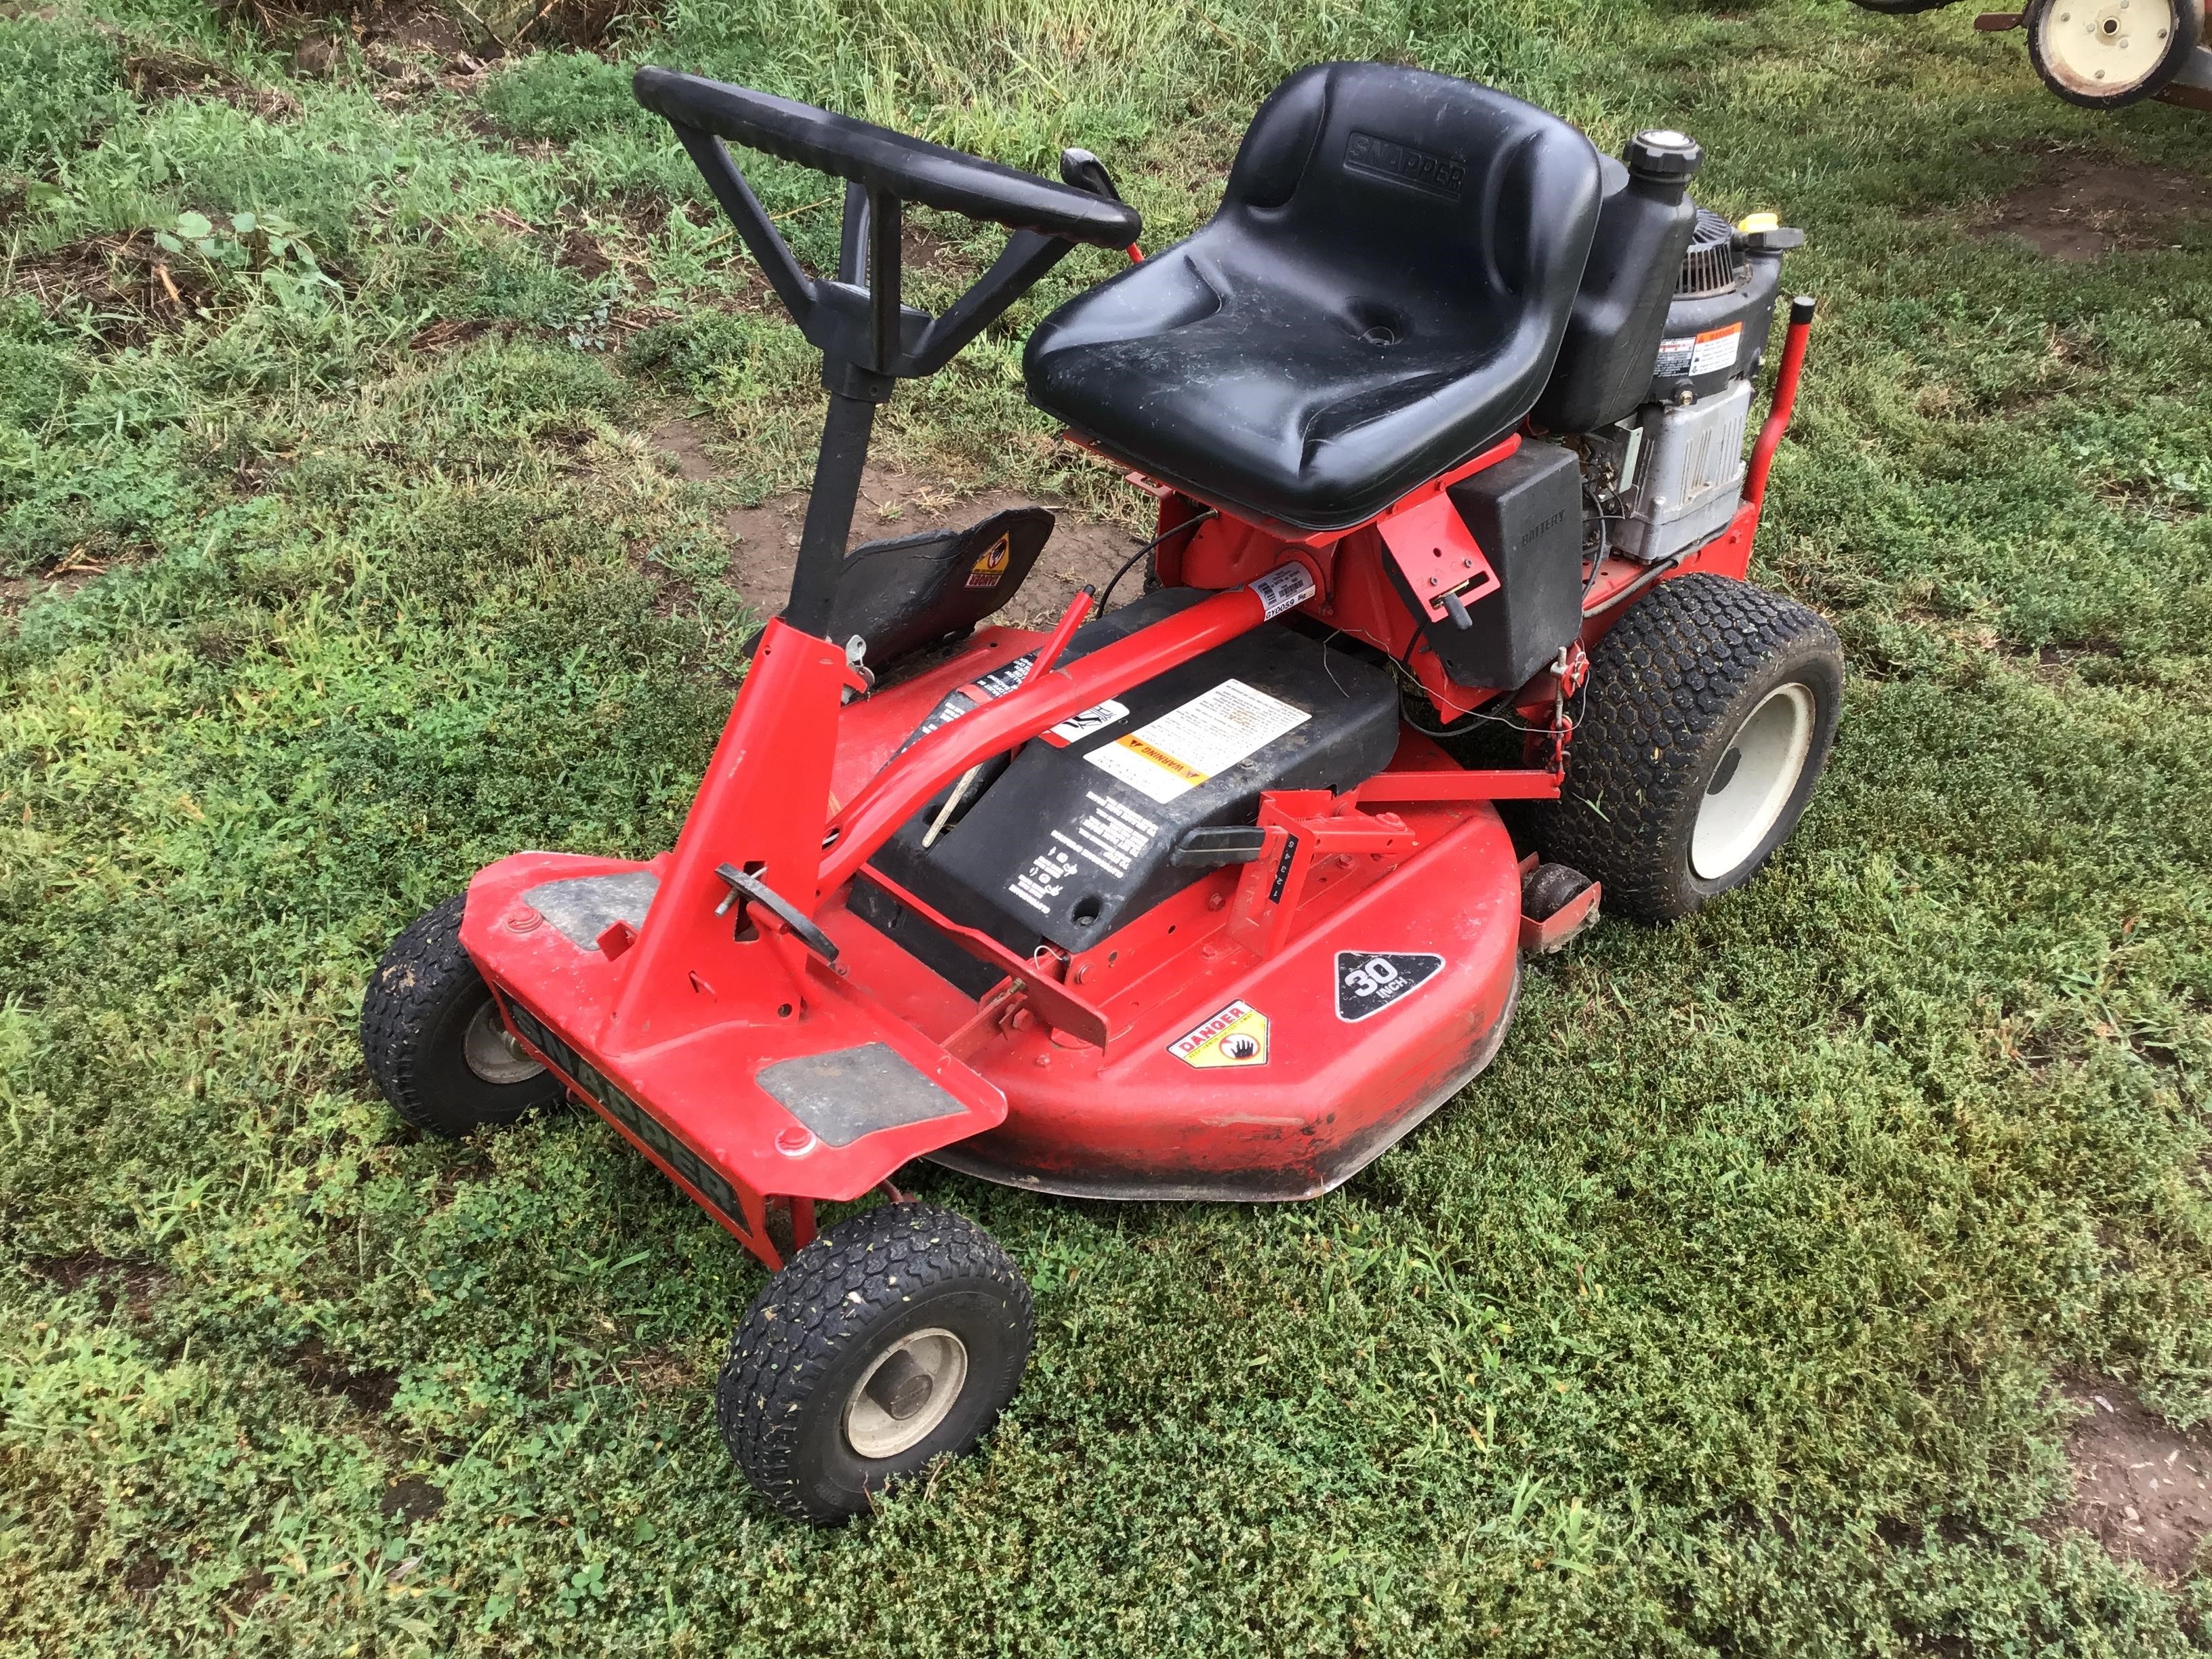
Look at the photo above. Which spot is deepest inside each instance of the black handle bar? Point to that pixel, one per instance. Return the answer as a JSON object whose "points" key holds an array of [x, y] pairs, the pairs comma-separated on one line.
{"points": [[870, 340], [911, 169]]}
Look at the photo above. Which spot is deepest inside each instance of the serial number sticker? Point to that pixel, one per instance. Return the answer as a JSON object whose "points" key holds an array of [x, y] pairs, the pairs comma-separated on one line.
{"points": [[1094, 719], [1187, 746], [1285, 588], [1701, 353], [1237, 1036], [991, 564]]}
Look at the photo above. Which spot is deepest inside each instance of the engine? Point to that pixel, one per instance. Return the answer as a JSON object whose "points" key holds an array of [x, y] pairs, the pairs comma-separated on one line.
{"points": [[1654, 381]]}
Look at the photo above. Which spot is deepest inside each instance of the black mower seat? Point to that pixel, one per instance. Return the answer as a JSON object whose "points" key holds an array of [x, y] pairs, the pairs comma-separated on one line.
{"points": [[1380, 296]]}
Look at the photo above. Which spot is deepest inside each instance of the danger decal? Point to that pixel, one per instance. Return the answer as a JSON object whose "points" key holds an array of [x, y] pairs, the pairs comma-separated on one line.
{"points": [[1368, 981], [1237, 1036]]}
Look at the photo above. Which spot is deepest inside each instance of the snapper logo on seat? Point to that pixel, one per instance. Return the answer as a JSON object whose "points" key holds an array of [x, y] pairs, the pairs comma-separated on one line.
{"points": [[991, 563], [1424, 170]]}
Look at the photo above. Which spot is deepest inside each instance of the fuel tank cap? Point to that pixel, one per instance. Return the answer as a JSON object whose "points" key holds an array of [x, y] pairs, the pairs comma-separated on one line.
{"points": [[1663, 153]]}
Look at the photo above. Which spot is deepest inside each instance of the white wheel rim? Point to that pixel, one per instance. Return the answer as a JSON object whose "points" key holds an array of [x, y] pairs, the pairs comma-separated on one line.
{"points": [[1757, 774], [2102, 47], [872, 1431], [491, 1053]]}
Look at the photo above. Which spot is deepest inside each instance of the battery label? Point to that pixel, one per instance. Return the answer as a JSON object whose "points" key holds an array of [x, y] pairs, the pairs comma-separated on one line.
{"points": [[1285, 588], [1185, 747], [1701, 353]]}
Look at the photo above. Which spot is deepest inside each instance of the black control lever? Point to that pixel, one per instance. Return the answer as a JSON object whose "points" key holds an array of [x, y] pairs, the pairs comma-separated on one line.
{"points": [[754, 890], [1082, 170]]}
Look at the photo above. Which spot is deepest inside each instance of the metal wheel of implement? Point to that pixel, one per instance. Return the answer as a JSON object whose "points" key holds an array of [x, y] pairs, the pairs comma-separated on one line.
{"points": [[2107, 54]]}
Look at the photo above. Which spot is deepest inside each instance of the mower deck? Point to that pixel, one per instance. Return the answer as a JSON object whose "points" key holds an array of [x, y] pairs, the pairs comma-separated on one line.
{"points": [[1246, 1054]]}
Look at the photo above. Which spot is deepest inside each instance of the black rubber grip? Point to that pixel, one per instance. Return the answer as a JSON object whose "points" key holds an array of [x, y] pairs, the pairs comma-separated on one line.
{"points": [[1801, 308], [911, 169]]}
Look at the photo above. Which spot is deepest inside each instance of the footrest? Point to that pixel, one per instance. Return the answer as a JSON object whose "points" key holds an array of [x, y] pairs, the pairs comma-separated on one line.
{"points": [[821, 1102]]}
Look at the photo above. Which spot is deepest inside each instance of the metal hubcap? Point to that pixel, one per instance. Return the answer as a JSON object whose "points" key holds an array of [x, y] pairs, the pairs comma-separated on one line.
{"points": [[1754, 782], [491, 1050], [909, 1390], [2102, 46]]}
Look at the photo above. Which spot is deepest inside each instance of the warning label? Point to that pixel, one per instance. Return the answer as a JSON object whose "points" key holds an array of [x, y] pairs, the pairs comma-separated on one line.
{"points": [[1237, 1036], [1077, 726], [1185, 747], [990, 564], [1108, 835], [1045, 878], [1701, 353]]}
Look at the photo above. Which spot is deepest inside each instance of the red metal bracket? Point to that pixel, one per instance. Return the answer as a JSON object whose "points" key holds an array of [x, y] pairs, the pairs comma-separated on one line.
{"points": [[1437, 554], [1300, 825]]}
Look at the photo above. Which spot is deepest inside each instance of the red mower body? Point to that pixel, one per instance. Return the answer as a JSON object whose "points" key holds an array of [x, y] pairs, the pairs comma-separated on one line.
{"points": [[1209, 1049]]}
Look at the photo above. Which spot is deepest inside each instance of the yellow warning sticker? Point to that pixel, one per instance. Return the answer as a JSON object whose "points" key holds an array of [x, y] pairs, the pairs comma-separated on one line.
{"points": [[990, 564], [1237, 1036], [1185, 746]]}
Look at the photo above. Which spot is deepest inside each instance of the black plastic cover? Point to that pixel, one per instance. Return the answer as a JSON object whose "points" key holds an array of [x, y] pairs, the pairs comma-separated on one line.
{"points": [[1058, 848], [1612, 339], [901, 594], [1380, 296], [1525, 515], [1698, 354]]}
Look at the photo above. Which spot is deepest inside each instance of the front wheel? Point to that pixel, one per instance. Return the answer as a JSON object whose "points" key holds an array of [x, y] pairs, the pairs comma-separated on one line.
{"points": [[2107, 54], [1710, 711], [434, 1041], [894, 1338]]}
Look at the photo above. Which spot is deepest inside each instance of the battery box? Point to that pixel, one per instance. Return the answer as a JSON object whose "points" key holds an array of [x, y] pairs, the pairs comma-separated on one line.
{"points": [[1525, 513], [1081, 830]]}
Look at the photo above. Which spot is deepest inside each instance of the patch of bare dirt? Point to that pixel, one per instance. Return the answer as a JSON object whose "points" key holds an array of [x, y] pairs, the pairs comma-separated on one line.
{"points": [[17, 594], [2078, 210], [160, 74], [130, 1284], [131, 288], [764, 541], [367, 1389], [2142, 1488], [683, 442], [411, 1499]]}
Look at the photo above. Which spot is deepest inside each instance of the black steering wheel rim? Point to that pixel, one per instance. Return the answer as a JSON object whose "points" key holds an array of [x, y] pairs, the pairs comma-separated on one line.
{"points": [[880, 160]]}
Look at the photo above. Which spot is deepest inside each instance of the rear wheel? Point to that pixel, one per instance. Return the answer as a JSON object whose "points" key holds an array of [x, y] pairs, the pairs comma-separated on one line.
{"points": [[434, 1041], [1710, 711], [894, 1338], [2107, 54]]}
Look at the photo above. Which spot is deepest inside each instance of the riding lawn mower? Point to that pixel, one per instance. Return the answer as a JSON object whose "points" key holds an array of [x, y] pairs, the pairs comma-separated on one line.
{"points": [[1209, 896]]}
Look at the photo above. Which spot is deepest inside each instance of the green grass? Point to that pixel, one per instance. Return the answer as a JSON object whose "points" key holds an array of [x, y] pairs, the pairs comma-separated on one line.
{"points": [[1721, 1317]]}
